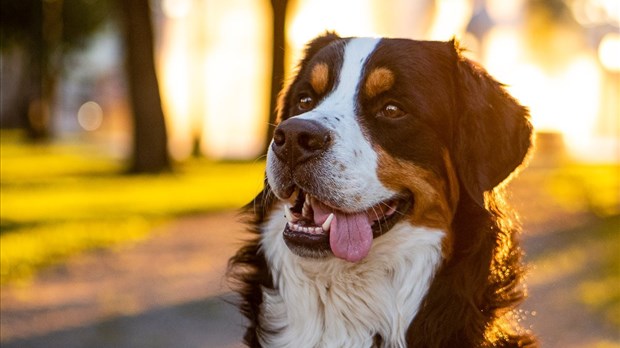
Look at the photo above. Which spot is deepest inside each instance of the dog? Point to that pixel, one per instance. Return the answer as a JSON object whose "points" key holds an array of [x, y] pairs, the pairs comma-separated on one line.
{"points": [[381, 222]]}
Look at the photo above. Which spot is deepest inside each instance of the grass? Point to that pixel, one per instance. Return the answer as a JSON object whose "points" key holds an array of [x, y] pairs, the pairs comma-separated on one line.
{"points": [[589, 253], [601, 291], [597, 189], [59, 199], [63, 198]]}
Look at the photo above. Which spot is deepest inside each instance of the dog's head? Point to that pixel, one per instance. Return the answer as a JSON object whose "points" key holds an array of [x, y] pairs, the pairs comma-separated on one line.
{"points": [[375, 132]]}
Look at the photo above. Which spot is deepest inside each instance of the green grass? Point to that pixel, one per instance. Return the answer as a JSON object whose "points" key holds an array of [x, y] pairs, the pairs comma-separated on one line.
{"points": [[595, 188], [59, 199], [601, 292], [593, 250]]}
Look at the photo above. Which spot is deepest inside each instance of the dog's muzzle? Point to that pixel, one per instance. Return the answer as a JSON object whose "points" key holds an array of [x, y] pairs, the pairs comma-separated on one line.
{"points": [[296, 141]]}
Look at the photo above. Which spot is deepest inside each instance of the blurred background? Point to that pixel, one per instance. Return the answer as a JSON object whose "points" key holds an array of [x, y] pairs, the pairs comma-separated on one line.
{"points": [[131, 131]]}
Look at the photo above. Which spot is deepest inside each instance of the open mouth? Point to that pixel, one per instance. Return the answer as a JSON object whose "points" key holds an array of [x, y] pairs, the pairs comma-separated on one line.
{"points": [[316, 230]]}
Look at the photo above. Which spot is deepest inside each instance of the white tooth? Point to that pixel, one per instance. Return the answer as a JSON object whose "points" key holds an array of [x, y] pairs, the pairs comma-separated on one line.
{"points": [[305, 229], [295, 227], [390, 211], [327, 222], [305, 211], [287, 213]]}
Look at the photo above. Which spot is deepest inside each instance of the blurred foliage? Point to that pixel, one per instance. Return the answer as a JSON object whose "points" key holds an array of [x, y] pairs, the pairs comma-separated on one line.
{"points": [[596, 250], [62, 198], [25, 22], [595, 186], [43, 34], [584, 264], [602, 291]]}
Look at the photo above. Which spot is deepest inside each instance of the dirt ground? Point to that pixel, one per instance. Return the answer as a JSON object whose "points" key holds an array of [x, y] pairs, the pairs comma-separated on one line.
{"points": [[168, 290]]}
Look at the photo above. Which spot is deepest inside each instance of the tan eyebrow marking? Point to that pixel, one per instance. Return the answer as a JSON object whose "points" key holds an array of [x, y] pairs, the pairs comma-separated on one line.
{"points": [[379, 80], [319, 77]]}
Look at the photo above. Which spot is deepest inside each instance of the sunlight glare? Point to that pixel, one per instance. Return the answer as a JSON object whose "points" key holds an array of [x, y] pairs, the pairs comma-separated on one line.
{"points": [[236, 94], [565, 99], [176, 8], [175, 85], [213, 64], [609, 51], [451, 18], [502, 11], [310, 19]]}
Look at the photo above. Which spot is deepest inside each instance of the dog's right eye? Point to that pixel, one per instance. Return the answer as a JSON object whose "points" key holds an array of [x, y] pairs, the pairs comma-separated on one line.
{"points": [[305, 103], [391, 111]]}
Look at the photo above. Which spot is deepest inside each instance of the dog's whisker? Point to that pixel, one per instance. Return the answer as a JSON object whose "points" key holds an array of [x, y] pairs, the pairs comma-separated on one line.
{"points": [[378, 220], [396, 211]]}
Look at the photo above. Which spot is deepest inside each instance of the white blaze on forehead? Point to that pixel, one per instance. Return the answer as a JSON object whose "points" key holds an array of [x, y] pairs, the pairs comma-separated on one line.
{"points": [[348, 170], [356, 53], [355, 179]]}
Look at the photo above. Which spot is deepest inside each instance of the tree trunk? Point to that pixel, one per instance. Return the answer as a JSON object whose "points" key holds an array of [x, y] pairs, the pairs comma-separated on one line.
{"points": [[150, 152], [277, 68]]}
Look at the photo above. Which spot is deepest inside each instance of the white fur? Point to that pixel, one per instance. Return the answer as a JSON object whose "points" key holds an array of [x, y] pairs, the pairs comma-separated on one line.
{"points": [[349, 167], [333, 303], [330, 302]]}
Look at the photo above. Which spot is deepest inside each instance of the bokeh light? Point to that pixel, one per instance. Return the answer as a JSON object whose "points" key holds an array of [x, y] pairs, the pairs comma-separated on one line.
{"points": [[609, 51], [90, 116]]}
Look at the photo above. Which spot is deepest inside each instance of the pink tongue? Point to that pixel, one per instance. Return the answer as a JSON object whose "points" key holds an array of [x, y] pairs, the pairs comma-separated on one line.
{"points": [[350, 235]]}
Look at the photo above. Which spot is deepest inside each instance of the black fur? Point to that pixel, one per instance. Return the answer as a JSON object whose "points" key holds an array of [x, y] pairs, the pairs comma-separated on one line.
{"points": [[465, 306], [248, 270], [481, 282]]}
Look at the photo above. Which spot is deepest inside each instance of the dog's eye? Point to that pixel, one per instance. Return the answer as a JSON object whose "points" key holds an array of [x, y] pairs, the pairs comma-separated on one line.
{"points": [[391, 111], [305, 103]]}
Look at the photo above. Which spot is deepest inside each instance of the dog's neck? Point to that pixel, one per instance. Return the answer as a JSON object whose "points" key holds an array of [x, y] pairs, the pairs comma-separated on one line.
{"points": [[334, 303]]}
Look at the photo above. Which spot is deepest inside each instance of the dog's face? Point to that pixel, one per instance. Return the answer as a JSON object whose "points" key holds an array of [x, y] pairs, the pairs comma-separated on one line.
{"points": [[376, 132]]}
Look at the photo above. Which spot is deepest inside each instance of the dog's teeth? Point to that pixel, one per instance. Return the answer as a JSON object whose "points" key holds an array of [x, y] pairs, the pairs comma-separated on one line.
{"points": [[390, 211], [305, 211], [327, 222]]}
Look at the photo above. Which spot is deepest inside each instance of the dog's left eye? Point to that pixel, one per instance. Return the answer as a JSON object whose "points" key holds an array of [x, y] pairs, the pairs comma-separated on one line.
{"points": [[391, 111], [305, 103]]}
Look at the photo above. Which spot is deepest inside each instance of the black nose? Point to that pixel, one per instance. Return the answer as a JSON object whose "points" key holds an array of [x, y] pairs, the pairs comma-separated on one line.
{"points": [[296, 141]]}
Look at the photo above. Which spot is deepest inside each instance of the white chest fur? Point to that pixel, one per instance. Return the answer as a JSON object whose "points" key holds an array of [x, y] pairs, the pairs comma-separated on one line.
{"points": [[334, 303]]}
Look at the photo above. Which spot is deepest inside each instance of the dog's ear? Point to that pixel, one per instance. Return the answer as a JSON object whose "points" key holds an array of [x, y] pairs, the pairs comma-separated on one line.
{"points": [[317, 44], [493, 132], [314, 46]]}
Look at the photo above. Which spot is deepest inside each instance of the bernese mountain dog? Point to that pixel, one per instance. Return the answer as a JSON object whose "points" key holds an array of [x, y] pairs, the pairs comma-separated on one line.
{"points": [[381, 222]]}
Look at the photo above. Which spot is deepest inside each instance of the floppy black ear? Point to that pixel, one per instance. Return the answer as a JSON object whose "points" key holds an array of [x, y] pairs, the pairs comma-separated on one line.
{"points": [[493, 132], [314, 46]]}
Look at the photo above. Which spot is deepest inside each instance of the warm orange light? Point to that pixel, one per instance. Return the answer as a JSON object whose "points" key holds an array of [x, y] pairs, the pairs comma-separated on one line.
{"points": [[176, 8], [215, 75], [236, 71], [175, 86], [451, 18], [565, 99], [310, 19], [215, 63], [609, 52], [502, 11]]}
